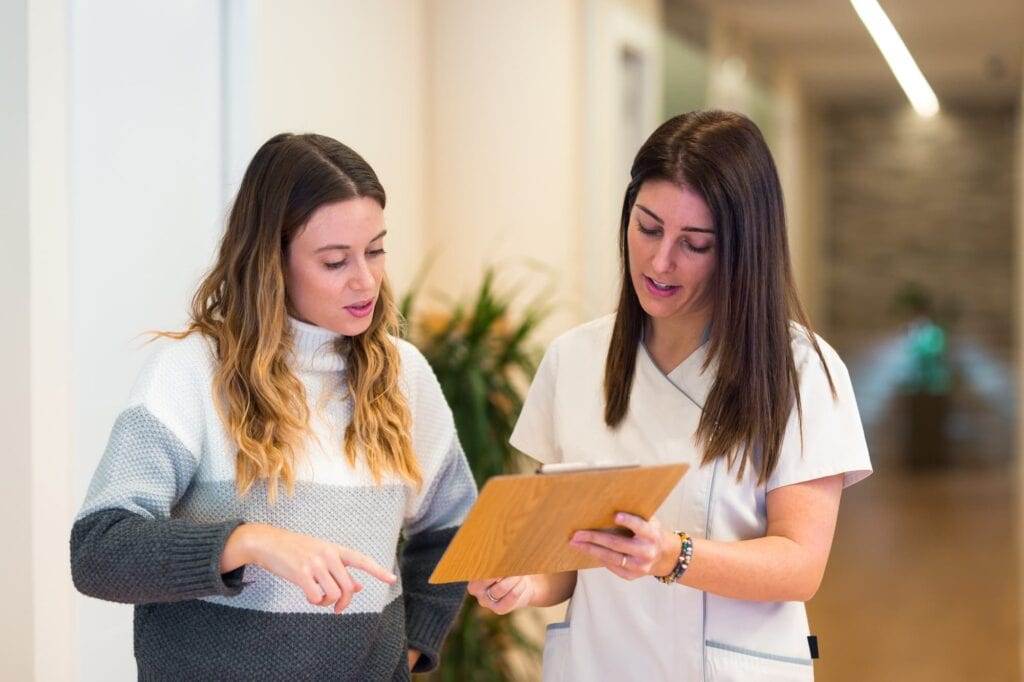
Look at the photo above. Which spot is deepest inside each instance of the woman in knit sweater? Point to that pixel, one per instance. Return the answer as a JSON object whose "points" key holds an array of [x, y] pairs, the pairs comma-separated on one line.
{"points": [[255, 488]]}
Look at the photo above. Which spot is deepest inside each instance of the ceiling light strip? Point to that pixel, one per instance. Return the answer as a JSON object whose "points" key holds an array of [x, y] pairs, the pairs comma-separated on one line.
{"points": [[902, 64]]}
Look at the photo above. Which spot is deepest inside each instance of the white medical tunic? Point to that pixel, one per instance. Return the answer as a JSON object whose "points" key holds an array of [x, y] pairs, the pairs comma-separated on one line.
{"points": [[644, 630]]}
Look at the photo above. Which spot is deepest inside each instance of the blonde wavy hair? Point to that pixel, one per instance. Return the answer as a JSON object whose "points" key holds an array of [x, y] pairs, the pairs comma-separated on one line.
{"points": [[242, 306]]}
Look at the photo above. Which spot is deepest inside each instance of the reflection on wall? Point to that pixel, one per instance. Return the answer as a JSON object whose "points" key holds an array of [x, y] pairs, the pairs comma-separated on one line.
{"points": [[686, 74], [921, 214], [634, 98]]}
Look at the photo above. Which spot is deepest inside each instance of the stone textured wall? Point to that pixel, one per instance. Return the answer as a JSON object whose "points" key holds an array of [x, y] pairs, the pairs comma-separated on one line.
{"points": [[927, 203]]}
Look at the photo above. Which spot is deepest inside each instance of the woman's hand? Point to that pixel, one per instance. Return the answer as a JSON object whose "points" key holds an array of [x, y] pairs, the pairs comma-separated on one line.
{"points": [[317, 567], [504, 594], [651, 551]]}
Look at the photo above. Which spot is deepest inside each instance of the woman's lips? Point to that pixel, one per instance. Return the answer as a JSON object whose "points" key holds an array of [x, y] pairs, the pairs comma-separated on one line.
{"points": [[661, 292], [361, 309]]}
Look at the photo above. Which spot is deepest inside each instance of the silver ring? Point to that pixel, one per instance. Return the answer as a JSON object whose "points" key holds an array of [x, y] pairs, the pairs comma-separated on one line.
{"points": [[622, 564], [489, 595]]}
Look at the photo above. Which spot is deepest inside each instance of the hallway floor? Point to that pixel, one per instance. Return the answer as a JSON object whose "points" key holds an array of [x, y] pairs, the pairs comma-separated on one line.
{"points": [[922, 582]]}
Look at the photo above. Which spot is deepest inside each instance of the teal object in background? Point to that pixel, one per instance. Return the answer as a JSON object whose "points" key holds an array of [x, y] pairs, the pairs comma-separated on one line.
{"points": [[928, 359]]}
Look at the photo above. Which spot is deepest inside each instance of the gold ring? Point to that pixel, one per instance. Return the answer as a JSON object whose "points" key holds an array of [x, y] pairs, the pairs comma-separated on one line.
{"points": [[622, 564]]}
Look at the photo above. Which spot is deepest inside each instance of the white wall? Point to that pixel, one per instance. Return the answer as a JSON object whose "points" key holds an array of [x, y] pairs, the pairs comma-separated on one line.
{"points": [[504, 156], [619, 115], [529, 150], [146, 212], [352, 70]]}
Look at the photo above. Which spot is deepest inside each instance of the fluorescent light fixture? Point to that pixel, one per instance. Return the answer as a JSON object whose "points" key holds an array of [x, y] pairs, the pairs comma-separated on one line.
{"points": [[903, 66]]}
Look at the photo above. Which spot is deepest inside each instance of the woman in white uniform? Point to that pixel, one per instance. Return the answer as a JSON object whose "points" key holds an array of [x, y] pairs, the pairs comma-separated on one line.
{"points": [[709, 359]]}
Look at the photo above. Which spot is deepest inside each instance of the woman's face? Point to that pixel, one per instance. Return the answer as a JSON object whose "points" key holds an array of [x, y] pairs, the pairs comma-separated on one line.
{"points": [[671, 239], [334, 266]]}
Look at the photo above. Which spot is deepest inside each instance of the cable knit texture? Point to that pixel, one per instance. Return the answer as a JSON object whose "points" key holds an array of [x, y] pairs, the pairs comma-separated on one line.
{"points": [[162, 504]]}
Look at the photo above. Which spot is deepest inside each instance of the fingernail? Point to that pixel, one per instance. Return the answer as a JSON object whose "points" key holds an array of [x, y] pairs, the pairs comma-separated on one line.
{"points": [[619, 518]]}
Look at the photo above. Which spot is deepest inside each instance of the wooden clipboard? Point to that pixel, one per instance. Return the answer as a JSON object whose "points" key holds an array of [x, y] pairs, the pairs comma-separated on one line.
{"points": [[521, 525]]}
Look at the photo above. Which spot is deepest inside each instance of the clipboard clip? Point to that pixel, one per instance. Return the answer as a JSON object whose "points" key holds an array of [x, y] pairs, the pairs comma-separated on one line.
{"points": [[567, 467]]}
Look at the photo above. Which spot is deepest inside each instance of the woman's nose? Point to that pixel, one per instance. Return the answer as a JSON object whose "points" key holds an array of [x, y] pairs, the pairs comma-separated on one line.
{"points": [[663, 257], [362, 277]]}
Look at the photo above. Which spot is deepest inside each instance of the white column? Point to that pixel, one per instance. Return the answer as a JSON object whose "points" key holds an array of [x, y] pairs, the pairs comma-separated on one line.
{"points": [[36, 624], [16, 531], [798, 163], [50, 339]]}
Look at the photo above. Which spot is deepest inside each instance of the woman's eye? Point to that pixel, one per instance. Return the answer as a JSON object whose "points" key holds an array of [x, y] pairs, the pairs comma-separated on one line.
{"points": [[698, 249], [335, 265], [650, 232], [376, 252]]}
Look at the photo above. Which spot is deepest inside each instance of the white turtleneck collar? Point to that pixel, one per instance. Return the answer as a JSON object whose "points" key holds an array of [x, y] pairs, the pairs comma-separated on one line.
{"points": [[314, 348]]}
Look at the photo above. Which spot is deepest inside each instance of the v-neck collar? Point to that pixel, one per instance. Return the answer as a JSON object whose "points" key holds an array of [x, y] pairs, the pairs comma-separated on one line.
{"points": [[688, 377]]}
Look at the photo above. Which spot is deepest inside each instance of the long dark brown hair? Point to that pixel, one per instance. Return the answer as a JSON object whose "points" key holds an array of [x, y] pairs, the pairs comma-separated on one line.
{"points": [[723, 157], [242, 306]]}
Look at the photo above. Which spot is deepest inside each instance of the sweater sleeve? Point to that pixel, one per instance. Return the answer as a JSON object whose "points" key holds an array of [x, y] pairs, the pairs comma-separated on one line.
{"points": [[448, 492], [125, 545]]}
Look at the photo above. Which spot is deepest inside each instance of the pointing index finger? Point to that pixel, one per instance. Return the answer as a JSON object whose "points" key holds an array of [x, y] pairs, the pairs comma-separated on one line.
{"points": [[367, 565]]}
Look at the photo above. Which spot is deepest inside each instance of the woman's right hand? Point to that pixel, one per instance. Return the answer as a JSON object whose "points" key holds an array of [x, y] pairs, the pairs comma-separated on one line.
{"points": [[317, 567], [504, 594]]}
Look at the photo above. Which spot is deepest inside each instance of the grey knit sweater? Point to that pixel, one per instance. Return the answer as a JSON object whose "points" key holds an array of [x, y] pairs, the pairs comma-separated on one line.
{"points": [[162, 503]]}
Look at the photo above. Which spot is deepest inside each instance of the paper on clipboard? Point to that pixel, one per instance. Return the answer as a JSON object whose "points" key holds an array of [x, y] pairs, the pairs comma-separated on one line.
{"points": [[521, 524]]}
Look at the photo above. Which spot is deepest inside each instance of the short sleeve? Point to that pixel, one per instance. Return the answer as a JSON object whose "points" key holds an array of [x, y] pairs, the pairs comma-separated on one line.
{"points": [[535, 433], [832, 434]]}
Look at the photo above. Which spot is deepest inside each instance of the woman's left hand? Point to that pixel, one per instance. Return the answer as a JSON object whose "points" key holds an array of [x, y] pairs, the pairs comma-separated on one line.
{"points": [[651, 551]]}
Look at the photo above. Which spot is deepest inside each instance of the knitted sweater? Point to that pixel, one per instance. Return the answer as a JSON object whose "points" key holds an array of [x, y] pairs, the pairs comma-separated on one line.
{"points": [[163, 501]]}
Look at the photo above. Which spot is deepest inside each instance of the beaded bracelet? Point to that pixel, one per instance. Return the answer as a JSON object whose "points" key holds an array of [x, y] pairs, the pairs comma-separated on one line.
{"points": [[683, 562]]}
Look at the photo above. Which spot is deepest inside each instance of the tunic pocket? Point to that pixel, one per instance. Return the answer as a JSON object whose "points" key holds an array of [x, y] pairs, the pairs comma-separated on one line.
{"points": [[556, 653], [727, 663]]}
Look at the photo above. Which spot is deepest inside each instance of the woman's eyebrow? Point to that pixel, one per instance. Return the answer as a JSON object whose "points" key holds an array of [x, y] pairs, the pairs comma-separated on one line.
{"points": [[661, 222], [328, 247], [650, 213]]}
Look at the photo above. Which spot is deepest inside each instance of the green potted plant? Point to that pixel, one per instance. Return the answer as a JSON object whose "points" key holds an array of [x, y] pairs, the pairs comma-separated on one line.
{"points": [[483, 357]]}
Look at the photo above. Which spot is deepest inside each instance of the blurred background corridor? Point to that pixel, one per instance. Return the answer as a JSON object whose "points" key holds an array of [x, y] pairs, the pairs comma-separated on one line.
{"points": [[503, 133]]}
